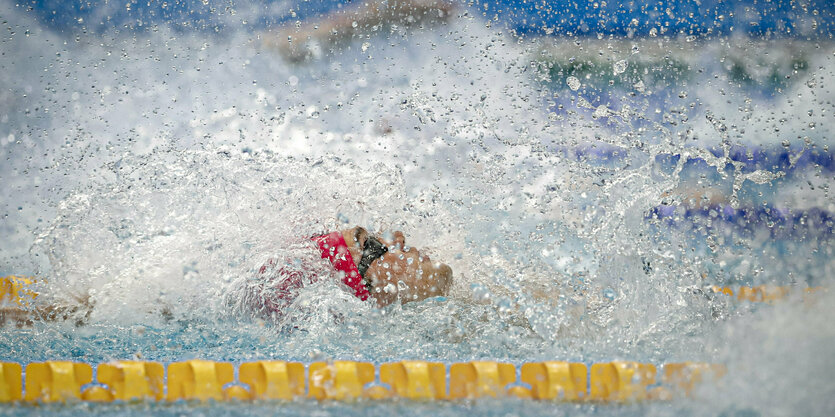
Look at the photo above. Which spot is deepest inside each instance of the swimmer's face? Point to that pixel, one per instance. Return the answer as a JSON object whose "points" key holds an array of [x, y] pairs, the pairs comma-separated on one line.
{"points": [[405, 273]]}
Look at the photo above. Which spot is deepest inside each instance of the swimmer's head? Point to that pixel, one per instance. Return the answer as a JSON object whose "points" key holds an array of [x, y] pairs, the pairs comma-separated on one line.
{"points": [[401, 272]]}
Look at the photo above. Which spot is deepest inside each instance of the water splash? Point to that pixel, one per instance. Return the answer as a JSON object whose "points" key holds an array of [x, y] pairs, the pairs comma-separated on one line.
{"points": [[179, 163]]}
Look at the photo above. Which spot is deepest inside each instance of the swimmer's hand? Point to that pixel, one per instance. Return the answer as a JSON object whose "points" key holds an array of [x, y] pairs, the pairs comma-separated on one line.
{"points": [[393, 241]]}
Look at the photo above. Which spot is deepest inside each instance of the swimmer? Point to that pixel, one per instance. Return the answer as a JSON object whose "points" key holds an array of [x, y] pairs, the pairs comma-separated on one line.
{"points": [[369, 266], [383, 264], [302, 42]]}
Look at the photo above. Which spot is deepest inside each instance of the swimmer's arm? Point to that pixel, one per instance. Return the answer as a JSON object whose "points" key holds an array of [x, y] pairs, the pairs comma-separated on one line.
{"points": [[79, 310]]}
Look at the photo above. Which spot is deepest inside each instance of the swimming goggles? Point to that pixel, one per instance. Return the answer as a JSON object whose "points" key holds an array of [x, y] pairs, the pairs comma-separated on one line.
{"points": [[372, 249]]}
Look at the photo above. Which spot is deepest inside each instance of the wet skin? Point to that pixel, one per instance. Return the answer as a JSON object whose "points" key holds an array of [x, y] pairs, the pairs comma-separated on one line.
{"points": [[403, 273]]}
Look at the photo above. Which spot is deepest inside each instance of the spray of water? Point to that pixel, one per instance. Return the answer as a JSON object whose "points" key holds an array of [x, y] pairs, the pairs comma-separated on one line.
{"points": [[153, 174]]}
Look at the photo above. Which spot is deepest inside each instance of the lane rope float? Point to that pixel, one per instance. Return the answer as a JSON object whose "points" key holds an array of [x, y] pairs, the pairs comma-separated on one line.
{"points": [[203, 380], [766, 293]]}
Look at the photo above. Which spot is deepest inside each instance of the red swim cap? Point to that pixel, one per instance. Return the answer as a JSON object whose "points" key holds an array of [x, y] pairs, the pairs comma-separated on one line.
{"points": [[333, 248]]}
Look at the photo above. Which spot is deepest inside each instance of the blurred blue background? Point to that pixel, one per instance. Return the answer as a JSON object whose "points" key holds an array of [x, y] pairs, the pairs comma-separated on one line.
{"points": [[777, 18]]}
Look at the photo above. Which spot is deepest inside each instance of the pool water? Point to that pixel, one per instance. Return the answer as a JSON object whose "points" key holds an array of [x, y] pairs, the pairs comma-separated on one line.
{"points": [[586, 186]]}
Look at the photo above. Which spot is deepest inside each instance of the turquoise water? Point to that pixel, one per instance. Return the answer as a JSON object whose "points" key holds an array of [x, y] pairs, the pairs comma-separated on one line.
{"points": [[585, 190]]}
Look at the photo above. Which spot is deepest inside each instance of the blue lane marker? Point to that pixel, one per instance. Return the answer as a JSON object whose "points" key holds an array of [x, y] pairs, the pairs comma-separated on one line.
{"points": [[782, 223]]}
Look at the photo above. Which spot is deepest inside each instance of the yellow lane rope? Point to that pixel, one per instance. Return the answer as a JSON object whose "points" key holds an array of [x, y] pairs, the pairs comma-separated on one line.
{"points": [[14, 289], [764, 293], [202, 380]]}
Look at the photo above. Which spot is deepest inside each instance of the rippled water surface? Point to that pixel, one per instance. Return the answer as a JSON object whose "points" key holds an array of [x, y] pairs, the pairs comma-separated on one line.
{"points": [[585, 188]]}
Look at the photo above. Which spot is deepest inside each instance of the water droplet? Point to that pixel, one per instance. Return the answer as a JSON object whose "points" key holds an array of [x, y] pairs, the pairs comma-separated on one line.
{"points": [[480, 292], [505, 306], [601, 111], [573, 83], [620, 66]]}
